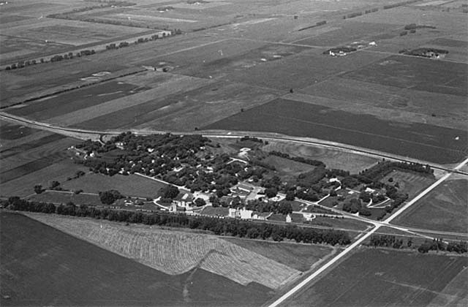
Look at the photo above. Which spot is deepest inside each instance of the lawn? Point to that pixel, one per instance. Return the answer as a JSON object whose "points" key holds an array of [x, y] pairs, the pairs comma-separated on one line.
{"points": [[410, 183], [44, 266], [132, 185], [422, 141], [375, 277], [444, 209]]}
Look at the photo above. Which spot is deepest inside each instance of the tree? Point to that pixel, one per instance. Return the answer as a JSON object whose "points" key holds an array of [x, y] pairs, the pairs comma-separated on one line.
{"points": [[54, 185], [169, 192], [271, 192], [285, 208], [38, 189], [109, 197], [200, 202], [290, 195]]}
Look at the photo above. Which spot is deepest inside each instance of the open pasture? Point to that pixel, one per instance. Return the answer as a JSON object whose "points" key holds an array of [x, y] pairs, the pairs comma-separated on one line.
{"points": [[375, 277], [443, 209], [176, 253], [410, 183], [421, 141], [81, 274], [394, 102], [416, 73], [333, 158], [132, 185]]}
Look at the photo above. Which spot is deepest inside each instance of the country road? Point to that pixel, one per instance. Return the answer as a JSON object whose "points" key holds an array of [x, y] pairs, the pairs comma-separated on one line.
{"points": [[95, 134], [309, 279]]}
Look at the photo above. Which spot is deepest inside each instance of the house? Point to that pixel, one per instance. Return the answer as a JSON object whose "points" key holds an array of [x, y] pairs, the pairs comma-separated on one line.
{"points": [[288, 218], [261, 216], [240, 213], [174, 208], [183, 200]]}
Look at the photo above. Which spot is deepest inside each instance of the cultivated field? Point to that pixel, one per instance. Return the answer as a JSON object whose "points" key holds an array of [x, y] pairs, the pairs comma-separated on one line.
{"points": [[426, 142], [444, 209], [81, 274], [158, 249], [373, 277]]}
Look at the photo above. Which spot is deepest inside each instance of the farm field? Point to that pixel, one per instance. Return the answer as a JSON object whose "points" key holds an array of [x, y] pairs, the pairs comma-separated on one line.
{"points": [[157, 248], [69, 102], [426, 142], [81, 274], [132, 185], [298, 256], [444, 209], [445, 77], [390, 102], [375, 277]]}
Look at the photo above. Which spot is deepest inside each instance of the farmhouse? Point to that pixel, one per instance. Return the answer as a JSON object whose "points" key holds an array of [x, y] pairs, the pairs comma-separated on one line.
{"points": [[183, 200], [240, 213]]}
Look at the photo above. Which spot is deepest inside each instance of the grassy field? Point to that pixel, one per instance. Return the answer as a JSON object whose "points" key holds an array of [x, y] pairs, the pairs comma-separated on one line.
{"points": [[426, 142], [132, 185], [286, 168], [332, 158], [444, 209], [58, 197], [374, 277], [175, 252], [44, 266]]}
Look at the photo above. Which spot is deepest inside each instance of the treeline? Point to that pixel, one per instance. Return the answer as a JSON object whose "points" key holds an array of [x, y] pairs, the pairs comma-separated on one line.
{"points": [[428, 245], [228, 227], [384, 168], [390, 6], [297, 159], [55, 58]]}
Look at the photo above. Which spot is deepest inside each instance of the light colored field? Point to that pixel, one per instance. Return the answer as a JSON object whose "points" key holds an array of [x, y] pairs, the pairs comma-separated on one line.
{"points": [[332, 158], [176, 252], [132, 185], [298, 256]]}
